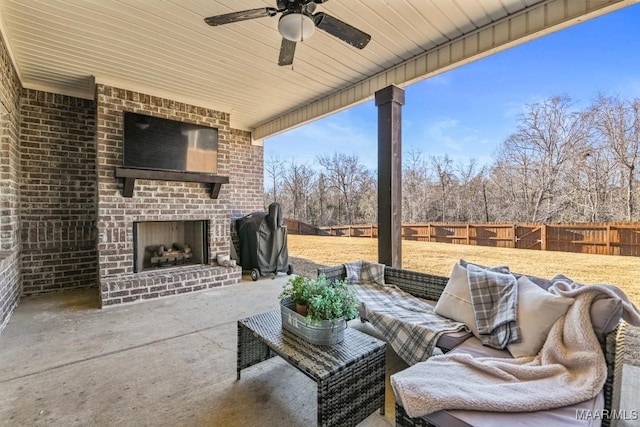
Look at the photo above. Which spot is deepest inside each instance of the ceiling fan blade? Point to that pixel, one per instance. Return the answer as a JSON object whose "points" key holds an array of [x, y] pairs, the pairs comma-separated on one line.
{"points": [[244, 15], [287, 50], [341, 30]]}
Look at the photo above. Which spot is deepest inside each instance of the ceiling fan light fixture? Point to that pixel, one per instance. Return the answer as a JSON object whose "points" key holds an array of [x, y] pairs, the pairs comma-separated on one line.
{"points": [[296, 26]]}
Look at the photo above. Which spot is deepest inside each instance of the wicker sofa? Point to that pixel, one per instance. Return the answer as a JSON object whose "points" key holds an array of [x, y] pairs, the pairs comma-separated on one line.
{"points": [[430, 287]]}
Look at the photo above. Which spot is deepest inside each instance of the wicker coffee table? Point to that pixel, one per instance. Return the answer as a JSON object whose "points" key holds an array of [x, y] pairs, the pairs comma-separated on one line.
{"points": [[350, 376]]}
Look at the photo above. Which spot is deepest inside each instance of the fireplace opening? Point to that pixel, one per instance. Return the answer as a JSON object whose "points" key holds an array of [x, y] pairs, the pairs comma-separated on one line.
{"points": [[164, 244]]}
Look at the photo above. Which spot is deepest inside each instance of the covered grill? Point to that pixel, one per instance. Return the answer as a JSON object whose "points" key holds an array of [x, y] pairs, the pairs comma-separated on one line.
{"points": [[263, 242]]}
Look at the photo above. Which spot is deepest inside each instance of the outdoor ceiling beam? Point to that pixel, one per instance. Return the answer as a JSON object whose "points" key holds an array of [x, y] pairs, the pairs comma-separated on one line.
{"points": [[533, 22]]}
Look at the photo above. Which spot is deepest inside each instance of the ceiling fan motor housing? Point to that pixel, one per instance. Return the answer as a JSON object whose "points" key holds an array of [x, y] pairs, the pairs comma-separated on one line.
{"points": [[296, 26]]}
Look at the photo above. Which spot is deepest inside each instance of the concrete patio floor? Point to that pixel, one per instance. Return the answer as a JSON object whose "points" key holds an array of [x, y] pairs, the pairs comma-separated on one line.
{"points": [[170, 362]]}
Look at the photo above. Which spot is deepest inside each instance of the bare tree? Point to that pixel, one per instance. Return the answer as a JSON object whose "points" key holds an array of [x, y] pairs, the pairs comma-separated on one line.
{"points": [[415, 187], [618, 123], [368, 200], [594, 182], [321, 195], [484, 184], [469, 192], [549, 136], [509, 186], [298, 181], [443, 168], [345, 174], [275, 170]]}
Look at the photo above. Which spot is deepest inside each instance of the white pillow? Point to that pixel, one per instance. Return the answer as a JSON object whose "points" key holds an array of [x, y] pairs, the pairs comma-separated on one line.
{"points": [[538, 310], [455, 301]]}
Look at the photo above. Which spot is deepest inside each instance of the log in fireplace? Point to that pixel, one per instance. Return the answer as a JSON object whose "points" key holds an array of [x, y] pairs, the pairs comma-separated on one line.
{"points": [[162, 244]]}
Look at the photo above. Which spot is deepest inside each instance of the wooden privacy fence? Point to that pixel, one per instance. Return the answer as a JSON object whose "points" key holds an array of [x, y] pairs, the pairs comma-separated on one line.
{"points": [[299, 227], [591, 238]]}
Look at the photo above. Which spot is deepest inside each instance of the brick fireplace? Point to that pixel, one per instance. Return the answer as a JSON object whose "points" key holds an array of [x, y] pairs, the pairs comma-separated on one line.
{"points": [[169, 244], [64, 224], [172, 204]]}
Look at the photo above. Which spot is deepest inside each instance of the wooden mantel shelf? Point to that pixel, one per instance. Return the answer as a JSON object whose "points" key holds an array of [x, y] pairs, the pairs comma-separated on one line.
{"points": [[131, 174]]}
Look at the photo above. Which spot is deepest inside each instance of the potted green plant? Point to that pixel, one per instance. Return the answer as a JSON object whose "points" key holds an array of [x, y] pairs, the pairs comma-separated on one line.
{"points": [[299, 290], [332, 302], [329, 307]]}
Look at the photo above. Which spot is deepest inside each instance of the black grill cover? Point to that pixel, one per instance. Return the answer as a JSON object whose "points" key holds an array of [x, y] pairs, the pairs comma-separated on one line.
{"points": [[263, 241]]}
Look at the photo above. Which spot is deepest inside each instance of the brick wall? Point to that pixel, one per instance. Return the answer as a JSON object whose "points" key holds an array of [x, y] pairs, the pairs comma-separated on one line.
{"points": [[10, 286], [246, 187], [10, 282], [57, 156], [167, 201], [57, 192]]}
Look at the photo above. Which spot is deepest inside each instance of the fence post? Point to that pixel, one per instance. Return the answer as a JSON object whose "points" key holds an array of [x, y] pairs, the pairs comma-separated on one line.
{"points": [[468, 234], [543, 237], [514, 237], [608, 239]]}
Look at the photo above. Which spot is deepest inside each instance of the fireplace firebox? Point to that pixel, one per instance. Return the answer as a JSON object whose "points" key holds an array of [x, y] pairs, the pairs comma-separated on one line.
{"points": [[163, 244]]}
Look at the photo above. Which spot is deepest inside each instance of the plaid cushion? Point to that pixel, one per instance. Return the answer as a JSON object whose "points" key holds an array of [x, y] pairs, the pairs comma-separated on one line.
{"points": [[494, 297], [359, 272], [353, 272]]}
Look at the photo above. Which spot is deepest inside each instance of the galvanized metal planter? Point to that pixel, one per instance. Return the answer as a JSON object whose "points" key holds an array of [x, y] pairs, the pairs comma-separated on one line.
{"points": [[325, 333]]}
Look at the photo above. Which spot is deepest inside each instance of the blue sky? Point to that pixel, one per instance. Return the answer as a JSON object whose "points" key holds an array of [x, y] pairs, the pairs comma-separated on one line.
{"points": [[467, 112]]}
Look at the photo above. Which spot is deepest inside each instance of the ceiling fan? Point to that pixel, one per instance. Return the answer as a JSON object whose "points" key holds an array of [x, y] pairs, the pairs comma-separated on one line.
{"points": [[297, 23]]}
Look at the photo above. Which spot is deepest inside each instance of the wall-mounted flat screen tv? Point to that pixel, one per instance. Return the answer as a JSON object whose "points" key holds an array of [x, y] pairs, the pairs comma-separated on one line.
{"points": [[162, 144]]}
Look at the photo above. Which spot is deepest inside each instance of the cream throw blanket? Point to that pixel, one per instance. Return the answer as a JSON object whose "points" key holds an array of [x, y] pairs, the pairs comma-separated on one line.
{"points": [[570, 368]]}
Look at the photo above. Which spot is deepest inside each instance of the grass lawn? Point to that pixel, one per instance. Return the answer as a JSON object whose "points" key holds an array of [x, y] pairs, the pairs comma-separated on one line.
{"points": [[438, 258]]}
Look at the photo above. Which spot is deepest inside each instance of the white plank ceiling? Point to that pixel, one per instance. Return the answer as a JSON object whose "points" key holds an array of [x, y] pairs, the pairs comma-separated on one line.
{"points": [[164, 48]]}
